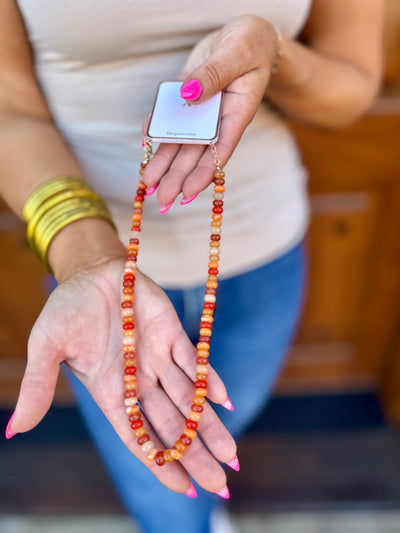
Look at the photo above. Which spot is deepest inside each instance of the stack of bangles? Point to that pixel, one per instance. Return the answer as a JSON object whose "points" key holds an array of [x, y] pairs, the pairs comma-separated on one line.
{"points": [[54, 205]]}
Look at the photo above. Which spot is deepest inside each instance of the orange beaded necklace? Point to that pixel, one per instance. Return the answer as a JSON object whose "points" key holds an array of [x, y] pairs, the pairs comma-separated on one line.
{"points": [[128, 322]]}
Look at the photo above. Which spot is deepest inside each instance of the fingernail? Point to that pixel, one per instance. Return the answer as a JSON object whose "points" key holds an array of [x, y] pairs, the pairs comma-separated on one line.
{"points": [[224, 493], [186, 201], [191, 90], [151, 190], [191, 492], [234, 464], [10, 434], [228, 405], [164, 208]]}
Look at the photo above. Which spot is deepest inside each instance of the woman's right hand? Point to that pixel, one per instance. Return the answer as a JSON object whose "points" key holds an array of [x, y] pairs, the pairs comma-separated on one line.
{"points": [[81, 326]]}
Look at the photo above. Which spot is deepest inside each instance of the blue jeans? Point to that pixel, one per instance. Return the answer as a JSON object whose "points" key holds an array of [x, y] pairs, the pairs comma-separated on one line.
{"points": [[254, 323]]}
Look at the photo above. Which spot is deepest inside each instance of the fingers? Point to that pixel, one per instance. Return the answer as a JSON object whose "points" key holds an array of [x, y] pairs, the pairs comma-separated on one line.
{"points": [[37, 389], [170, 423]]}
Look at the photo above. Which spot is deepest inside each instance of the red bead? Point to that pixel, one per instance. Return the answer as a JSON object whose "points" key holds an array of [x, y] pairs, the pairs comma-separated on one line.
{"points": [[207, 325], [140, 192], [131, 257], [125, 305], [196, 409], [128, 325], [133, 241], [209, 305], [204, 338], [185, 439], [130, 370], [129, 276], [202, 360], [137, 424], [135, 228], [128, 283], [129, 355], [211, 291], [142, 440], [218, 203], [217, 210], [200, 384], [191, 424], [160, 459], [136, 416], [130, 394], [219, 181], [139, 198], [215, 237]]}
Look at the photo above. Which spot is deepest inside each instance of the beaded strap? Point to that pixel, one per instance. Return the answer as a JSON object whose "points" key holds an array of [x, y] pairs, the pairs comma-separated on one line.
{"points": [[128, 322]]}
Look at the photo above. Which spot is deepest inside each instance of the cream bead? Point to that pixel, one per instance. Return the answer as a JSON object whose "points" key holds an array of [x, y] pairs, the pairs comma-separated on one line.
{"points": [[216, 231], [211, 298], [147, 446], [130, 264], [128, 340], [201, 369], [127, 312], [130, 401], [194, 416], [218, 196]]}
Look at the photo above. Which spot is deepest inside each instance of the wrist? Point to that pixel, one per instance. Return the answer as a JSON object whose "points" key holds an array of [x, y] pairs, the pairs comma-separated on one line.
{"points": [[83, 244]]}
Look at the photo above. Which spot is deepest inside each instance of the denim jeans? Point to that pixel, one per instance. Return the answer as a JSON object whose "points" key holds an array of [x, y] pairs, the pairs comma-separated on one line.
{"points": [[254, 323]]}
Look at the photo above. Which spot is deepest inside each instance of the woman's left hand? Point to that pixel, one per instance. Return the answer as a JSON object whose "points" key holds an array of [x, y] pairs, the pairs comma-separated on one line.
{"points": [[238, 60]]}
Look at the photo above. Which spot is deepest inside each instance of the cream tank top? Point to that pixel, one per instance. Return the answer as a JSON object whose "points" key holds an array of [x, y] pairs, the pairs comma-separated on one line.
{"points": [[99, 62]]}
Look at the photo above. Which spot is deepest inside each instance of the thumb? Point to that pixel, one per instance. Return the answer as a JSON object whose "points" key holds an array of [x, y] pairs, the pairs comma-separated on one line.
{"points": [[213, 75], [36, 393]]}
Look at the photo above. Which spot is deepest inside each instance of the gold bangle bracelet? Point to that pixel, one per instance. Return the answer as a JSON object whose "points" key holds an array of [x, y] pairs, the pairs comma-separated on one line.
{"points": [[44, 239], [53, 202], [48, 189]]}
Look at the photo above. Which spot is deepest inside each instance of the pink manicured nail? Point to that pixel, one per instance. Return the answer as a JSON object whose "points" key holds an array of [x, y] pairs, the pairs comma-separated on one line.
{"points": [[10, 434], [224, 493], [151, 190], [186, 201], [234, 464], [191, 492], [164, 208], [228, 405], [191, 90]]}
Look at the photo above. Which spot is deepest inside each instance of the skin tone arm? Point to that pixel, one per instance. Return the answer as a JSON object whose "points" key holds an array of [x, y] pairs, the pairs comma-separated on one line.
{"points": [[87, 259], [327, 83]]}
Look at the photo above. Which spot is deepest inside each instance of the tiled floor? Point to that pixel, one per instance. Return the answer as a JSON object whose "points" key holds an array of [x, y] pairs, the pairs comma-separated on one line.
{"points": [[341, 522]]}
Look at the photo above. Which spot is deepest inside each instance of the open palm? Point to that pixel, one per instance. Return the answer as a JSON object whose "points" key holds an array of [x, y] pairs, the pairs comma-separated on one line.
{"points": [[81, 325]]}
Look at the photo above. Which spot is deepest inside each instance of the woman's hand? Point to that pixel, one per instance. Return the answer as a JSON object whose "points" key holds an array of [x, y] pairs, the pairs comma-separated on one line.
{"points": [[81, 325], [238, 60]]}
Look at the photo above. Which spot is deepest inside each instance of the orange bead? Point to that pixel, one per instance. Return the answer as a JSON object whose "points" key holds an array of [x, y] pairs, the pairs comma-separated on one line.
{"points": [[216, 223], [176, 454], [138, 205], [216, 217], [212, 284], [213, 264], [131, 385], [205, 331], [139, 432], [180, 446], [200, 392], [127, 319], [135, 409], [129, 362], [136, 217], [152, 454], [219, 188], [168, 456], [203, 353], [199, 400], [129, 333], [129, 377], [142, 186], [191, 433], [203, 346], [202, 377]]}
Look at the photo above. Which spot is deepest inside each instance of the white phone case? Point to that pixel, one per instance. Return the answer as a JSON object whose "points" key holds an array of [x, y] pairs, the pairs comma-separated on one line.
{"points": [[174, 120]]}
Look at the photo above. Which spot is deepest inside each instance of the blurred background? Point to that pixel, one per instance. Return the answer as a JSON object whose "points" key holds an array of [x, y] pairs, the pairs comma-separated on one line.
{"points": [[324, 456]]}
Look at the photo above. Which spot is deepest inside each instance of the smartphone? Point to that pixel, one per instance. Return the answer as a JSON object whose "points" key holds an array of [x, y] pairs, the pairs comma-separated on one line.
{"points": [[175, 120]]}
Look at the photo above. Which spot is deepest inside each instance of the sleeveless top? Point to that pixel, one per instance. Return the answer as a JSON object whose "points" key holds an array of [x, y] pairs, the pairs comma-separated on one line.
{"points": [[99, 62]]}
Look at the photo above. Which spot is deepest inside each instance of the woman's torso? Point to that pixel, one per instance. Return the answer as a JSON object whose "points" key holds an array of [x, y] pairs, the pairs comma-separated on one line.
{"points": [[99, 63]]}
